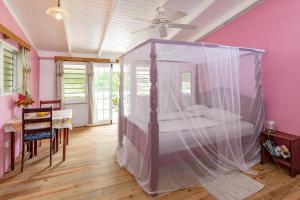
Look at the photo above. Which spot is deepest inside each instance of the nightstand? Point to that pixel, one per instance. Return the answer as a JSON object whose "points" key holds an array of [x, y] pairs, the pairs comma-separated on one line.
{"points": [[293, 144]]}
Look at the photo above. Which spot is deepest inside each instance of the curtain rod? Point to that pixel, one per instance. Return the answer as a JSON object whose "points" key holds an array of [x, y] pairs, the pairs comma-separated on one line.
{"points": [[9, 34], [80, 59]]}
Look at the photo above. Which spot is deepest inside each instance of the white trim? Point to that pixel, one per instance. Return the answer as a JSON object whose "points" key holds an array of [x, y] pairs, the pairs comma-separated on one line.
{"points": [[19, 24], [5, 45], [229, 16], [66, 27]]}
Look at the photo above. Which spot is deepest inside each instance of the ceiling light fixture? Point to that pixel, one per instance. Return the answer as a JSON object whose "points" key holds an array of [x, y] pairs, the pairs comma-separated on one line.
{"points": [[57, 12]]}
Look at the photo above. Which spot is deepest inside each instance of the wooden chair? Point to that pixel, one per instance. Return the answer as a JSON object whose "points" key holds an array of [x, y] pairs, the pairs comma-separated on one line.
{"points": [[32, 134], [56, 105]]}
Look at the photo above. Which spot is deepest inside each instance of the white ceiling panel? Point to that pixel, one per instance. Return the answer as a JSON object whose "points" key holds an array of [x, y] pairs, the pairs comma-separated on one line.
{"points": [[103, 27], [86, 24], [45, 32]]}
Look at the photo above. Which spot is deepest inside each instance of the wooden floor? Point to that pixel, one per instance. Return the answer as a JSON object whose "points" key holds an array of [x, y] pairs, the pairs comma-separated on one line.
{"points": [[91, 172]]}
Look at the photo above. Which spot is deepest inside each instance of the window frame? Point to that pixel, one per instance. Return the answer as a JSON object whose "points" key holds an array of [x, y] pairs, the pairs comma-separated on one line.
{"points": [[9, 47], [73, 100]]}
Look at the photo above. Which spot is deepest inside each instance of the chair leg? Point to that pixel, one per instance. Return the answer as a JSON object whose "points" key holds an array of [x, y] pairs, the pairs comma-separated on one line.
{"points": [[35, 148], [59, 136], [56, 141], [23, 152], [31, 148], [28, 146], [51, 148]]}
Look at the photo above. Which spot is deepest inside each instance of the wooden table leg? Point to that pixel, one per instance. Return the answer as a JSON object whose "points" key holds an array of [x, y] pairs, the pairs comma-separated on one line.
{"points": [[64, 143], [67, 136], [12, 151]]}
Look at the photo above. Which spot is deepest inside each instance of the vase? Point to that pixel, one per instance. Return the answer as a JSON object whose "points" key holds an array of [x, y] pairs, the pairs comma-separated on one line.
{"points": [[17, 113]]}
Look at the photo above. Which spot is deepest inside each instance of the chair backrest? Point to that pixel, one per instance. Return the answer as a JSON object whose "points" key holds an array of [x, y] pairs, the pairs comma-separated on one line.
{"points": [[56, 104], [32, 123]]}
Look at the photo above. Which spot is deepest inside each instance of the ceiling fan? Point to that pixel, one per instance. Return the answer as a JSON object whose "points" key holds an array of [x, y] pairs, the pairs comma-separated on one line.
{"points": [[163, 22]]}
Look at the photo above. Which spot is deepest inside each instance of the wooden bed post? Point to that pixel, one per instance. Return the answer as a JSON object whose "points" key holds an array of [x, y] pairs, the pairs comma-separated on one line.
{"points": [[121, 105], [153, 129], [258, 86], [197, 97]]}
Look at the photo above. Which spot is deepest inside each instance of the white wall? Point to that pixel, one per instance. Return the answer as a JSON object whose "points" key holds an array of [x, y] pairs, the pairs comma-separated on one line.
{"points": [[47, 79]]}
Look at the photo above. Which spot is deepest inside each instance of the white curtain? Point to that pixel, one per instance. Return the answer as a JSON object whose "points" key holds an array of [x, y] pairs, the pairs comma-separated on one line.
{"points": [[26, 68], [90, 89], [60, 80]]}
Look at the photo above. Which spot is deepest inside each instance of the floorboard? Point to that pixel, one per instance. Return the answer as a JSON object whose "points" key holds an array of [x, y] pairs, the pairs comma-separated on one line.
{"points": [[91, 172]]}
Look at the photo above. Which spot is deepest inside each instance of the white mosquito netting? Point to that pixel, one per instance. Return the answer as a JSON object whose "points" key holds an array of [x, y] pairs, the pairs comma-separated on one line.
{"points": [[188, 113]]}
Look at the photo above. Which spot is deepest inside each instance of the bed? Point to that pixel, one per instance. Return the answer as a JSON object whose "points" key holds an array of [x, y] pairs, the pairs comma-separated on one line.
{"points": [[192, 109]]}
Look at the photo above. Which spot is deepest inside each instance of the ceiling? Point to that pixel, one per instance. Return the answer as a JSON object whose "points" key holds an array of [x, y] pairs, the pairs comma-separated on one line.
{"points": [[103, 27]]}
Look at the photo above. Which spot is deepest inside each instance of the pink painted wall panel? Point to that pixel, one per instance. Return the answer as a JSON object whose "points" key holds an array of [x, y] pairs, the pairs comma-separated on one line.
{"points": [[7, 102], [273, 26]]}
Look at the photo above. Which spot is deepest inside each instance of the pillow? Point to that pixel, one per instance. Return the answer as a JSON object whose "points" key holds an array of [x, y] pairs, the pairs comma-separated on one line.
{"points": [[174, 115], [221, 115], [197, 109]]}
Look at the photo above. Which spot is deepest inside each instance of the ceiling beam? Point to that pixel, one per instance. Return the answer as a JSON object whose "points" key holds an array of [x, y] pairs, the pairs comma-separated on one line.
{"points": [[10, 35], [161, 3], [225, 19], [81, 59], [66, 27], [191, 17], [107, 24]]}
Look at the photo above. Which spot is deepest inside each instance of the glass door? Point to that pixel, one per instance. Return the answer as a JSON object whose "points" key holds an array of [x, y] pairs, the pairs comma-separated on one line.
{"points": [[102, 93]]}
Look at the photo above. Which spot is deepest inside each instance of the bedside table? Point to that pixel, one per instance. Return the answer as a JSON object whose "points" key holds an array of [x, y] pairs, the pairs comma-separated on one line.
{"points": [[293, 144]]}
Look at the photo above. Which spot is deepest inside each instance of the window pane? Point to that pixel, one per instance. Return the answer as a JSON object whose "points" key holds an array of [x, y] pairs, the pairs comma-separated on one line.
{"points": [[74, 81], [186, 83], [9, 70], [143, 80]]}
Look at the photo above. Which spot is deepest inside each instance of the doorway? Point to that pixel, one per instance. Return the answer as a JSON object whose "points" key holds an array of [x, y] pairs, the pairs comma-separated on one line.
{"points": [[106, 93]]}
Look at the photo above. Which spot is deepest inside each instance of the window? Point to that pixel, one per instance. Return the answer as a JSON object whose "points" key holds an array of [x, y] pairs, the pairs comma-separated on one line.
{"points": [[143, 80], [186, 83], [74, 82], [9, 71]]}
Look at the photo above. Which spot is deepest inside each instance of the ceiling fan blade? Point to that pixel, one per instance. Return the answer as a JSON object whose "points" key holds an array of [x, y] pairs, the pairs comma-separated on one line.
{"points": [[176, 15], [162, 31], [141, 20], [182, 26], [143, 29]]}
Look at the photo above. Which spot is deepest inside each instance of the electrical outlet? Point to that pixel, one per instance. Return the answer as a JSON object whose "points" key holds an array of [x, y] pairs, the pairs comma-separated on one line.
{"points": [[7, 144]]}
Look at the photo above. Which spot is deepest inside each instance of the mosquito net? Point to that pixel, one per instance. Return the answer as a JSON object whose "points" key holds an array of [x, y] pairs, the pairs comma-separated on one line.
{"points": [[188, 113]]}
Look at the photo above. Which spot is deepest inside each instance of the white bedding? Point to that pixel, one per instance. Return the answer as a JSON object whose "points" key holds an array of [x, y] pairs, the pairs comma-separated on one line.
{"points": [[176, 135]]}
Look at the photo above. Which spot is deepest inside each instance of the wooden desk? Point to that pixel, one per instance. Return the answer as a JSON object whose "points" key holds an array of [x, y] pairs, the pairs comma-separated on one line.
{"points": [[291, 141], [61, 119]]}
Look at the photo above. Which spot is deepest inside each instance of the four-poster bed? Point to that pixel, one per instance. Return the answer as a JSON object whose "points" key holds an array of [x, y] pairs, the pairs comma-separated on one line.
{"points": [[209, 130]]}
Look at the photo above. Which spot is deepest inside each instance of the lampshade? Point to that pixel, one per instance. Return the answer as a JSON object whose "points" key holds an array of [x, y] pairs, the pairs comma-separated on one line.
{"points": [[58, 12]]}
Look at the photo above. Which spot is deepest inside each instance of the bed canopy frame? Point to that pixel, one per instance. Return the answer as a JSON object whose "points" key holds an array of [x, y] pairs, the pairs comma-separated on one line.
{"points": [[146, 142]]}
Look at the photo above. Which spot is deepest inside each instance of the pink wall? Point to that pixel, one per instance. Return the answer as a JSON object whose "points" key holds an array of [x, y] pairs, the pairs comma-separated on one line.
{"points": [[6, 102], [273, 26]]}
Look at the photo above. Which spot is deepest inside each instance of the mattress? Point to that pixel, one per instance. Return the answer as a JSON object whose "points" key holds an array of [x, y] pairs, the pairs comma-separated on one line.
{"points": [[180, 140], [176, 135]]}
